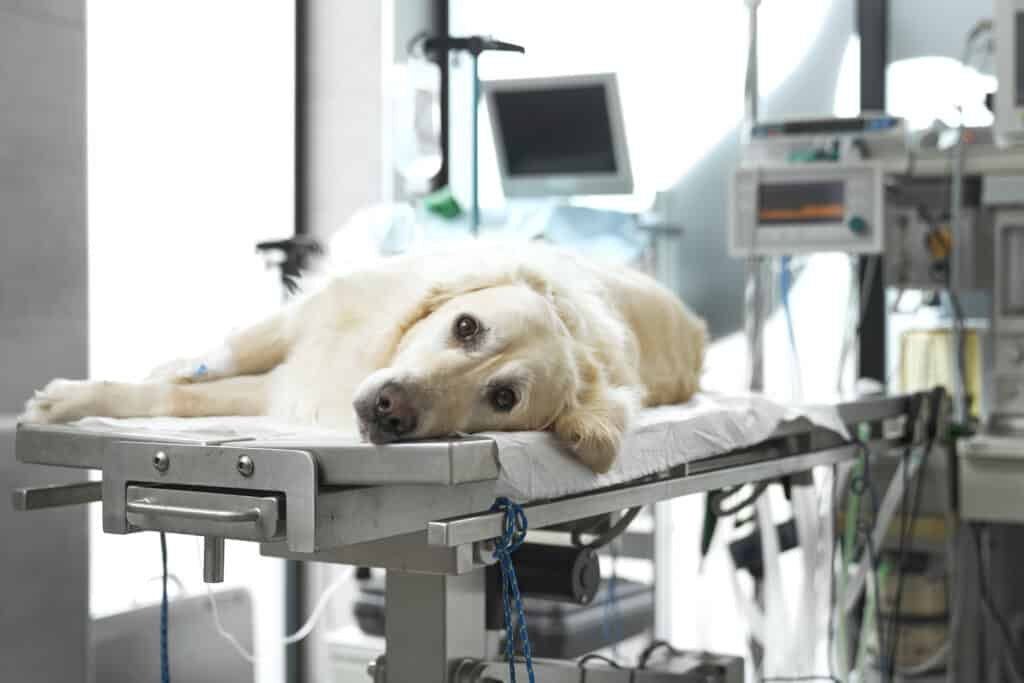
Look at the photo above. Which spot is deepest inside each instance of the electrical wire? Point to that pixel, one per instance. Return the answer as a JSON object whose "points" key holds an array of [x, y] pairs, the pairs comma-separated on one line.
{"points": [[859, 534], [1010, 650], [303, 632], [867, 285], [864, 528], [600, 658], [607, 537], [645, 656], [906, 539], [596, 657]]}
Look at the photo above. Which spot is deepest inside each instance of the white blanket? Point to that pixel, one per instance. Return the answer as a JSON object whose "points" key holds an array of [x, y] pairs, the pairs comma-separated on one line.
{"points": [[532, 464]]}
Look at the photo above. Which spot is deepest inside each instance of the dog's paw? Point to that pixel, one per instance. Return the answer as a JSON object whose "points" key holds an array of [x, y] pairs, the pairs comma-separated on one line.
{"points": [[62, 400], [182, 371]]}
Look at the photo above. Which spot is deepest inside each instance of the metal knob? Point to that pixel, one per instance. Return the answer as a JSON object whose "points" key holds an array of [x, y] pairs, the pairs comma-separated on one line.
{"points": [[161, 462], [245, 466]]}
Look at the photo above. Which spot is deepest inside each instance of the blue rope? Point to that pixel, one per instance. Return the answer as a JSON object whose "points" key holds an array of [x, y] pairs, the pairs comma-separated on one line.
{"points": [[512, 536], [165, 669]]}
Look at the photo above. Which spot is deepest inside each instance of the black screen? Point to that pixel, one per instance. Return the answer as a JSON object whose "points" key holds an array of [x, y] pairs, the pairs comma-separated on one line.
{"points": [[1018, 49], [550, 132], [800, 203]]}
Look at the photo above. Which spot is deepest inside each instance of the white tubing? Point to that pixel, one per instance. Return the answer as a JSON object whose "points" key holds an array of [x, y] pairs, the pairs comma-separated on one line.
{"points": [[801, 654], [322, 602], [751, 612], [777, 621]]}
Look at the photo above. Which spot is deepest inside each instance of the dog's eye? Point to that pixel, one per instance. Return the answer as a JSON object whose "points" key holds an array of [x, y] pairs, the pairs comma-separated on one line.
{"points": [[466, 327], [504, 399]]}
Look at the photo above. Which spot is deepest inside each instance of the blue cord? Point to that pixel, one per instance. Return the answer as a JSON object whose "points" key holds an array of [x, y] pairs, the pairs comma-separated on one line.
{"points": [[165, 669], [512, 536]]}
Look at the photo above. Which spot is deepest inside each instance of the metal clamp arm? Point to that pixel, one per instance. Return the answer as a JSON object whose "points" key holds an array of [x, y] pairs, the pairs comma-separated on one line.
{"points": [[38, 498]]}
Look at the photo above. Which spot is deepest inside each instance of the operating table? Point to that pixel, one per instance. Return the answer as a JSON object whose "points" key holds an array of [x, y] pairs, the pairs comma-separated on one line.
{"points": [[420, 510]]}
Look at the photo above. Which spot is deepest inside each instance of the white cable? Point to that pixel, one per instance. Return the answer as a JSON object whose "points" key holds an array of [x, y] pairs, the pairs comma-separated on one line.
{"points": [[223, 633], [303, 632]]}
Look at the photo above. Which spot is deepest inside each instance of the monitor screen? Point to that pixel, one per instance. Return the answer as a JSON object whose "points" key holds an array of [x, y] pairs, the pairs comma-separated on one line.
{"points": [[1019, 58], [559, 131], [808, 203]]}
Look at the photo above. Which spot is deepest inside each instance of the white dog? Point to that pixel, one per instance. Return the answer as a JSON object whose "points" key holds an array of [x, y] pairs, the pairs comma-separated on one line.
{"points": [[469, 338]]}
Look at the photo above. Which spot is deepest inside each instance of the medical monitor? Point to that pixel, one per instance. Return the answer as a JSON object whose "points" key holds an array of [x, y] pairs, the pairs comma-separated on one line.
{"points": [[559, 136], [1009, 29]]}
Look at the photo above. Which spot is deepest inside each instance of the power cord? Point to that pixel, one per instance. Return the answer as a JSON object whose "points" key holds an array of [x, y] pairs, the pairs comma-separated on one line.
{"points": [[934, 403], [645, 656], [607, 537]]}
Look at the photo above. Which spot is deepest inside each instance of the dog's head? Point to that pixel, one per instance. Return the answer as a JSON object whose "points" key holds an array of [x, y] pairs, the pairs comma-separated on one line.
{"points": [[503, 353]]}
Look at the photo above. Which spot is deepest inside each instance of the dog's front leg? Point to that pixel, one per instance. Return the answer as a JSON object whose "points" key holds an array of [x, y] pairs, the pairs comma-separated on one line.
{"points": [[250, 351], [68, 400]]}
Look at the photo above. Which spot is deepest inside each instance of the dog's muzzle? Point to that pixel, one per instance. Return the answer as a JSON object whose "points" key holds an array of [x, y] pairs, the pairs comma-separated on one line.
{"points": [[388, 415]]}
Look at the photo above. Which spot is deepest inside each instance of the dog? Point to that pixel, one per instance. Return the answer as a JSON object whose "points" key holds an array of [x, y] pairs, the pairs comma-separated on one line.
{"points": [[467, 338]]}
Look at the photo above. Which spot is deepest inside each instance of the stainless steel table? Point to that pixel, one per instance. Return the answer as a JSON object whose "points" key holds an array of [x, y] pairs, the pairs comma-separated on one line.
{"points": [[418, 509]]}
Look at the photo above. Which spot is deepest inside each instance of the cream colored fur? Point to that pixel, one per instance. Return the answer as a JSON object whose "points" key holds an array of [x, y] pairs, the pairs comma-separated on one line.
{"points": [[583, 345]]}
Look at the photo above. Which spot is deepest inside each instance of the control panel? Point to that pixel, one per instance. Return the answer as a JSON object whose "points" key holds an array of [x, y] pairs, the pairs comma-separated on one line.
{"points": [[1007, 387], [778, 209]]}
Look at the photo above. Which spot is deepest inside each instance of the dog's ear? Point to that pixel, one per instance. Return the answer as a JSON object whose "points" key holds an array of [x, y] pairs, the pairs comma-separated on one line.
{"points": [[594, 422], [593, 430]]}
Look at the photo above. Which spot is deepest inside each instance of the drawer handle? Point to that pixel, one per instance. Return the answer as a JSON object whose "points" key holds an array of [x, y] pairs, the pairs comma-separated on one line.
{"points": [[146, 507]]}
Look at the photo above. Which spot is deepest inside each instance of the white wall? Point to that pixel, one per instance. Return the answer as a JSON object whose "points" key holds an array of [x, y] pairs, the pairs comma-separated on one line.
{"points": [[191, 125], [344, 114]]}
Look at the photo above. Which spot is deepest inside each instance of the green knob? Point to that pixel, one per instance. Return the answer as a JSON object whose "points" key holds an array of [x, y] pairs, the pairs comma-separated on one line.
{"points": [[857, 225]]}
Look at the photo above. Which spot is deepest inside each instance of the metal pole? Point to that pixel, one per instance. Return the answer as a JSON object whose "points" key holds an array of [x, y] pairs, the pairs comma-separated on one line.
{"points": [[213, 559], [432, 622], [960, 402], [474, 224], [753, 321], [751, 90], [873, 29], [753, 301]]}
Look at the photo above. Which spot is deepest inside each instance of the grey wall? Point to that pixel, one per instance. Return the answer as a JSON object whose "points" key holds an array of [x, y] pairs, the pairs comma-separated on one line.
{"points": [[44, 567], [342, 112], [43, 303], [921, 28], [44, 579]]}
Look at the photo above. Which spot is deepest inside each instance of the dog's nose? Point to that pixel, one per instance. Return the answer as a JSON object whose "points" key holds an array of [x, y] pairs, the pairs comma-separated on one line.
{"points": [[394, 411]]}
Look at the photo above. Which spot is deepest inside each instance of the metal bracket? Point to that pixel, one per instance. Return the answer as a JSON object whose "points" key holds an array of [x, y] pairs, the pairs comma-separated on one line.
{"points": [[291, 472], [38, 498], [488, 525]]}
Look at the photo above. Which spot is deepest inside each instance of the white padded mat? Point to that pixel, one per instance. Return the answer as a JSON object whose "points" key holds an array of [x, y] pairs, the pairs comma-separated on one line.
{"points": [[708, 425], [532, 464]]}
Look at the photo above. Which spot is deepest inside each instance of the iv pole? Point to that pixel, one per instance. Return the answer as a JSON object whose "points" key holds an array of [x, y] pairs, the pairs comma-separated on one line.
{"points": [[474, 45], [753, 295]]}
